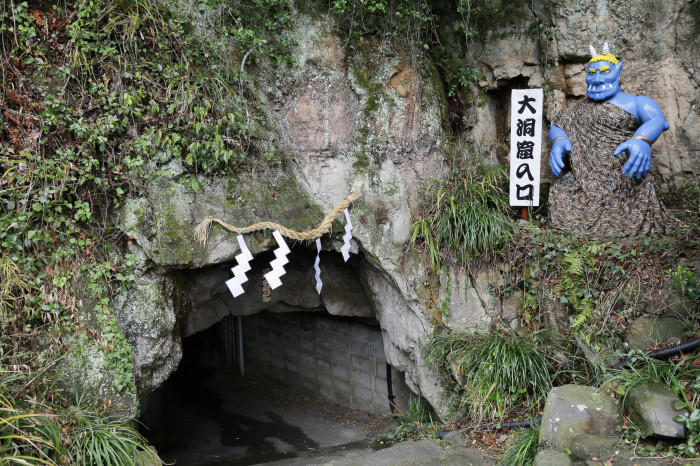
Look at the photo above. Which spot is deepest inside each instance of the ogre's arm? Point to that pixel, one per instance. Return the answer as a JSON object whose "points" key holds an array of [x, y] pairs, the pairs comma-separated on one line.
{"points": [[560, 146], [639, 145]]}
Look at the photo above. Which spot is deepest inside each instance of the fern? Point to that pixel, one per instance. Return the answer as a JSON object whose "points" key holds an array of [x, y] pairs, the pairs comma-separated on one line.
{"points": [[575, 261]]}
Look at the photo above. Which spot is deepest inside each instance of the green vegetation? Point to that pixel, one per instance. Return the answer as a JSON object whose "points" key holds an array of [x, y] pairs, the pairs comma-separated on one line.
{"points": [[524, 447], [498, 373], [686, 281], [464, 215], [415, 424], [682, 376], [55, 435], [99, 97]]}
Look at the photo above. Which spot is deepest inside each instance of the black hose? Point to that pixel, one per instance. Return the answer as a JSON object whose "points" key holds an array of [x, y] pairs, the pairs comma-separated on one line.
{"points": [[511, 424], [664, 353]]}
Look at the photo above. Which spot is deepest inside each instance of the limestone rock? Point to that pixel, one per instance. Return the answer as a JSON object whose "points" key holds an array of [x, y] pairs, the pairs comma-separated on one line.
{"points": [[147, 319], [551, 458], [646, 332], [462, 306], [84, 372], [161, 223], [652, 408], [573, 410], [342, 293]]}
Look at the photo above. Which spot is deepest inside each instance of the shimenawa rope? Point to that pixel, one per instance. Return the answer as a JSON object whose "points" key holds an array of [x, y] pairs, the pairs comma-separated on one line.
{"points": [[201, 231]]}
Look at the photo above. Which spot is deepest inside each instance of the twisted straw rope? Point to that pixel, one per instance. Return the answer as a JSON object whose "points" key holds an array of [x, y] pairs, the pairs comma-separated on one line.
{"points": [[201, 231]]}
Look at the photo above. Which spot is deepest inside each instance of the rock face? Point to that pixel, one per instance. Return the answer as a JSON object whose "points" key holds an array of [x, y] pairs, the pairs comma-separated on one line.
{"points": [[147, 320], [652, 408], [573, 410], [370, 120], [366, 121]]}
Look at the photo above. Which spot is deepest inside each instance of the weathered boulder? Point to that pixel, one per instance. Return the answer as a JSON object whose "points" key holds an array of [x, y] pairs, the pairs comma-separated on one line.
{"points": [[573, 410], [648, 331], [551, 458], [594, 447], [652, 408]]}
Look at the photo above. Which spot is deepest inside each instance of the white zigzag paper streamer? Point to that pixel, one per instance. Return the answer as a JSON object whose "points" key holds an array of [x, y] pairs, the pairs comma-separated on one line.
{"points": [[345, 249], [319, 283], [277, 264], [239, 276]]}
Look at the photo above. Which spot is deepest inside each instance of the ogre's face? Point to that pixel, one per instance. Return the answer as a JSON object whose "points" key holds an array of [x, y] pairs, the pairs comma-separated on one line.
{"points": [[603, 79]]}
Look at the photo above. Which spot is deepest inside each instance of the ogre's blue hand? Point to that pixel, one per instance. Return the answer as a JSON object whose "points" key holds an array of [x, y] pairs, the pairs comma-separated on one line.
{"points": [[639, 161], [556, 155]]}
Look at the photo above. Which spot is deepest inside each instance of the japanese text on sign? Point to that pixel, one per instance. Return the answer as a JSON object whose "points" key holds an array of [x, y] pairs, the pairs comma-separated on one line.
{"points": [[525, 146]]}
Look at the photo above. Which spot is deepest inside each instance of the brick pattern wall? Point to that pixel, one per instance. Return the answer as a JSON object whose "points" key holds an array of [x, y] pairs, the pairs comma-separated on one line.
{"points": [[339, 359]]}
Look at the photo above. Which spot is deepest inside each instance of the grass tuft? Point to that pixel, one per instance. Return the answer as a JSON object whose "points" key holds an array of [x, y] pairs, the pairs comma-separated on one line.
{"points": [[464, 215], [523, 449], [498, 372]]}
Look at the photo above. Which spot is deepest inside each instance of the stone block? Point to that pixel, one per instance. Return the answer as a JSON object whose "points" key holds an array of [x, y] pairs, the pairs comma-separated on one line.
{"points": [[362, 379], [551, 458], [361, 395], [309, 384], [341, 372], [341, 384], [323, 365], [342, 398], [380, 370], [306, 344], [652, 408], [324, 381], [305, 358], [573, 410], [339, 357], [326, 393], [360, 364], [360, 348]]}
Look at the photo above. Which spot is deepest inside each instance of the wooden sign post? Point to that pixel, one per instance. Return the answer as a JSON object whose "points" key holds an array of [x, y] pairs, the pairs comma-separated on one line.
{"points": [[525, 147]]}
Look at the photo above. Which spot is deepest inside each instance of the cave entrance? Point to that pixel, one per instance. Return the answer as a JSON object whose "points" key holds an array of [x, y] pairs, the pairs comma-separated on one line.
{"points": [[286, 380]]}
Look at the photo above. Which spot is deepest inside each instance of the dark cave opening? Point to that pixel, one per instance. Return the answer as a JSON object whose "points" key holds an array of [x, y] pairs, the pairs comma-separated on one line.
{"points": [[308, 381]]}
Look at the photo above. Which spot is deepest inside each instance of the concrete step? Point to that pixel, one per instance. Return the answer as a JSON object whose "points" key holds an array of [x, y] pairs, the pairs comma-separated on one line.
{"points": [[417, 452]]}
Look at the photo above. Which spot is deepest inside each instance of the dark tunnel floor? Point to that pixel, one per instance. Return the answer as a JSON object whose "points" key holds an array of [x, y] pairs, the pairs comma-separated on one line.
{"points": [[205, 414]]}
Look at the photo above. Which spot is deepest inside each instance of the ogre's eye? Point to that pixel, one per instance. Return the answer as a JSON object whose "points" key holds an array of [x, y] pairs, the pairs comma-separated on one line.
{"points": [[591, 71], [605, 71]]}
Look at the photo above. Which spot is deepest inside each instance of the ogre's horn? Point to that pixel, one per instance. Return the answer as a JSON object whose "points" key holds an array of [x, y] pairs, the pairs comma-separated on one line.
{"points": [[606, 49], [593, 52]]}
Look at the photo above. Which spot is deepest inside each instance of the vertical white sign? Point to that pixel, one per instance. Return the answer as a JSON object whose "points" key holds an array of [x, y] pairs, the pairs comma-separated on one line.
{"points": [[525, 146]]}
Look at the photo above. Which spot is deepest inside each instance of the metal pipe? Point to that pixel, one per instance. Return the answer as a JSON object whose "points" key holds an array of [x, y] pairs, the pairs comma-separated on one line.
{"points": [[390, 389], [241, 366]]}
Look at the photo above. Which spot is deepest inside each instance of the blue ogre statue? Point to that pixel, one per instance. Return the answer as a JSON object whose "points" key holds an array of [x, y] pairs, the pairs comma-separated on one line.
{"points": [[603, 193]]}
